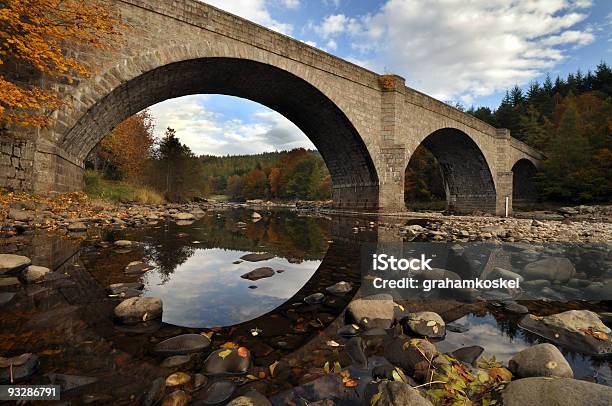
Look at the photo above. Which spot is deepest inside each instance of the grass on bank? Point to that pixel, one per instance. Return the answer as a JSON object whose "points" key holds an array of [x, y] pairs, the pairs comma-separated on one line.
{"points": [[96, 187]]}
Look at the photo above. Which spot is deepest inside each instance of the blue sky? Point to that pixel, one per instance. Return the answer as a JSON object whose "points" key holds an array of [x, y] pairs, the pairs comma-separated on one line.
{"points": [[466, 51]]}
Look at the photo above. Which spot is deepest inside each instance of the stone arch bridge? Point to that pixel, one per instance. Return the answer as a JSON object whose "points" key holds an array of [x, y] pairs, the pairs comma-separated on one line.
{"points": [[366, 126]]}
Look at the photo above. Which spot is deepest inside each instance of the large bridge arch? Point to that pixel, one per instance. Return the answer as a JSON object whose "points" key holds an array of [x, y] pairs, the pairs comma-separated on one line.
{"points": [[353, 173], [468, 178]]}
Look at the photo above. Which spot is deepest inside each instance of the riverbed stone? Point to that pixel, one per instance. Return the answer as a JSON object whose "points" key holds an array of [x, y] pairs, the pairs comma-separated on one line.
{"points": [[175, 361], [340, 288], [468, 355], [394, 393], [176, 398], [259, 273], [137, 268], [539, 391], [155, 393], [6, 297], [183, 216], [177, 379], [77, 227], [426, 324], [10, 263], [138, 309], [552, 268], [408, 353], [70, 382], [577, 320], [182, 345], [501, 273], [117, 288], [35, 273], [123, 243], [256, 257], [371, 311], [315, 298], [10, 283], [540, 360], [20, 215], [217, 393], [251, 398], [235, 361], [24, 366]]}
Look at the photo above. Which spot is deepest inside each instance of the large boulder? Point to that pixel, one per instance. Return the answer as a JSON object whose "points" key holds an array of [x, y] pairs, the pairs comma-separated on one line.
{"points": [[35, 273], [577, 321], [552, 269], [408, 354], [540, 360], [426, 324], [375, 311], [10, 263], [138, 309], [183, 344], [393, 393], [562, 391]]}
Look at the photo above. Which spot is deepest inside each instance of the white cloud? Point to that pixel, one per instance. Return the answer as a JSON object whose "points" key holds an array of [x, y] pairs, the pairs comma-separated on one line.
{"points": [[453, 49], [208, 132], [331, 45], [256, 11], [291, 4]]}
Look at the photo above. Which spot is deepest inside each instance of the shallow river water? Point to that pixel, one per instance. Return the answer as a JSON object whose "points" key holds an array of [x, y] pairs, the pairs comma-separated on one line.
{"points": [[196, 269]]}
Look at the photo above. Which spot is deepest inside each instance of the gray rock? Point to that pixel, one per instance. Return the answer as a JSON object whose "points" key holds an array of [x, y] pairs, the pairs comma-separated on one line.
{"points": [[138, 309], [35, 273], [70, 382], [6, 297], [77, 227], [251, 398], [183, 216], [137, 268], [182, 345], [577, 320], [540, 360], [19, 215], [315, 298], [552, 268], [340, 288], [426, 324], [10, 263], [155, 393], [469, 355], [516, 308], [219, 363], [217, 393], [371, 308], [117, 288], [259, 273], [256, 257], [563, 391], [408, 353], [175, 361], [394, 393], [501, 273], [123, 243]]}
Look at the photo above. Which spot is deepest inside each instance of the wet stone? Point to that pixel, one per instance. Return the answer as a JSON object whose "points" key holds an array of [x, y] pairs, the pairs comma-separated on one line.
{"points": [[540, 360], [217, 393], [236, 361], [457, 328], [426, 324], [355, 348], [155, 392], [176, 398], [199, 380], [34, 273], [182, 345], [394, 393], [123, 243], [70, 382], [259, 273], [177, 379], [139, 309], [117, 288], [371, 308], [407, 353], [10, 263], [468, 355], [315, 298], [137, 268], [340, 288], [539, 391], [146, 327], [175, 361], [256, 257], [77, 227], [251, 398], [349, 330], [6, 297]]}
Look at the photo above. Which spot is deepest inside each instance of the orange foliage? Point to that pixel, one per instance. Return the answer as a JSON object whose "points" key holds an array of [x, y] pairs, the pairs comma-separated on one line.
{"points": [[128, 146], [32, 37]]}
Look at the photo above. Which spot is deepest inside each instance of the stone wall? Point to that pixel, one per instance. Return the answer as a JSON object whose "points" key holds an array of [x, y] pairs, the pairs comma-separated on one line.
{"points": [[16, 164]]}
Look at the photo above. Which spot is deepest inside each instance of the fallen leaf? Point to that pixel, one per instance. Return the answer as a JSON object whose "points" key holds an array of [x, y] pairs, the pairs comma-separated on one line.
{"points": [[224, 353], [243, 352], [431, 323], [326, 367], [375, 398], [551, 365], [229, 345], [332, 343], [272, 367], [207, 334], [337, 367]]}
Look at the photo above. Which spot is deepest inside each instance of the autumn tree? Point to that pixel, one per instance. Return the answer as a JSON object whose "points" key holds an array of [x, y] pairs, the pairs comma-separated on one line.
{"points": [[126, 150], [33, 35]]}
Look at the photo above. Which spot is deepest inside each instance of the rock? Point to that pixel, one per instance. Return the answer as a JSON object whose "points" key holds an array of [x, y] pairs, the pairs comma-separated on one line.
{"points": [[340, 288], [137, 268], [540, 360], [199, 381], [457, 328], [494, 231], [77, 227], [394, 393], [183, 216], [70, 382], [426, 324], [256, 257], [184, 222], [24, 366], [155, 393], [9, 283], [577, 320], [137, 309], [407, 353], [314, 299], [259, 273], [6, 297], [255, 215], [251, 398], [217, 393], [349, 330], [235, 361], [355, 348], [35, 273], [469, 355], [182, 345], [117, 288], [375, 308], [10, 263], [19, 215], [177, 379], [175, 361], [501, 273], [123, 243], [176, 398], [329, 386], [516, 308], [563, 391], [552, 268]]}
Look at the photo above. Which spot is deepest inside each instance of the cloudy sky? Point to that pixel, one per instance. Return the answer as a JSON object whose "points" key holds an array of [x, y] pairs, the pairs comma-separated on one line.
{"points": [[466, 51]]}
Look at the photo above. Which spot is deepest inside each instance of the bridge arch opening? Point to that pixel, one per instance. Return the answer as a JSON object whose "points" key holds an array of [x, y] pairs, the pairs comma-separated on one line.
{"points": [[353, 174], [465, 175], [523, 182]]}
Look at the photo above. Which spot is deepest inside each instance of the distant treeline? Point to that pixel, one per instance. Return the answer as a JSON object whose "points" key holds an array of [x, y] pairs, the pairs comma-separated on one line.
{"points": [[569, 120]]}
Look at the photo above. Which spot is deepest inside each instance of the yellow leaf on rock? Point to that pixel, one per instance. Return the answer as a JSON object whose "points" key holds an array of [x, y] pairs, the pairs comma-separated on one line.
{"points": [[225, 353], [229, 345], [375, 398], [431, 323], [272, 367]]}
